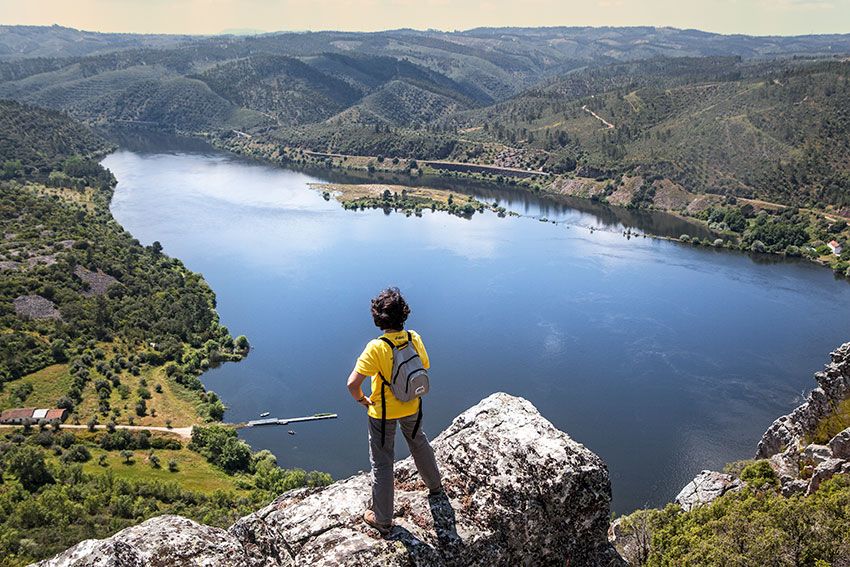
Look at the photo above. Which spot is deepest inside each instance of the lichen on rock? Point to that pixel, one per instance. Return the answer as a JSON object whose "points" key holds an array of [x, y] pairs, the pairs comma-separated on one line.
{"points": [[518, 492], [706, 487]]}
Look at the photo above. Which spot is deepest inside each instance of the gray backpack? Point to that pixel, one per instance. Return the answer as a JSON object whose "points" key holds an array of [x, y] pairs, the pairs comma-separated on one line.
{"points": [[408, 381]]}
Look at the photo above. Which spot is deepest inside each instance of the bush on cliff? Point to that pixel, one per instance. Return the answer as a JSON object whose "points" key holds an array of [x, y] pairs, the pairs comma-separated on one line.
{"points": [[756, 526]]}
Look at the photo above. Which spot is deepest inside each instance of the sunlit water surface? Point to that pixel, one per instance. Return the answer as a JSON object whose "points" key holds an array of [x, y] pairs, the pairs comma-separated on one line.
{"points": [[664, 359]]}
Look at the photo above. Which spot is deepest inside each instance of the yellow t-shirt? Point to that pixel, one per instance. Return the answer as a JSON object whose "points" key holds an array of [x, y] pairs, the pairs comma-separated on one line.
{"points": [[378, 357]]}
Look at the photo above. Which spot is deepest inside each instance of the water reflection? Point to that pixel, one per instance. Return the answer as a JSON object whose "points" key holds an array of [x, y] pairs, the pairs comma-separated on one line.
{"points": [[664, 359], [571, 210]]}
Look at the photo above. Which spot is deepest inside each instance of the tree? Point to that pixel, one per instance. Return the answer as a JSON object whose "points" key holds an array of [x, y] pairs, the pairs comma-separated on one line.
{"points": [[76, 454], [235, 455], [172, 465], [141, 408], [153, 460], [241, 343], [127, 455], [92, 423], [215, 410], [57, 350], [28, 465], [101, 460]]}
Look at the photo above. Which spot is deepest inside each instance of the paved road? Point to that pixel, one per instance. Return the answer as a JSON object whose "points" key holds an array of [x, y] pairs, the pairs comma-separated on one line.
{"points": [[183, 432]]}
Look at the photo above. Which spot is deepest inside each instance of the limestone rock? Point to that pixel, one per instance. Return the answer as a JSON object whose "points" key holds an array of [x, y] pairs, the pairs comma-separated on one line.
{"points": [[816, 453], [840, 445], [706, 487], [794, 486], [163, 541], [518, 492], [826, 470], [790, 431], [786, 465]]}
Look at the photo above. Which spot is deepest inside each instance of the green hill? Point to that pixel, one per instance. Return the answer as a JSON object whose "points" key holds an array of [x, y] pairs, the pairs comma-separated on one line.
{"points": [[760, 117], [778, 130], [41, 140]]}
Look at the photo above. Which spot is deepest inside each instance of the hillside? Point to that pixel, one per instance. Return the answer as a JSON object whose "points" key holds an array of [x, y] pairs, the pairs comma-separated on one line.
{"points": [[678, 120], [116, 334], [17, 42], [306, 78], [40, 139], [777, 130]]}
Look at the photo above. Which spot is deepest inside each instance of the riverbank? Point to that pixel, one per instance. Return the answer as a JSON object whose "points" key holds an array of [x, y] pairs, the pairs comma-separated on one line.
{"points": [[749, 225]]}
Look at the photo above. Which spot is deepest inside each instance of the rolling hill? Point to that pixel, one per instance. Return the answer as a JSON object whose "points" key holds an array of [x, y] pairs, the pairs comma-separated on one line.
{"points": [[739, 115]]}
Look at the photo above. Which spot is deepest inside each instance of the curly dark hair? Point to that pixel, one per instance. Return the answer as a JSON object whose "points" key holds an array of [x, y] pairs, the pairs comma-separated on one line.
{"points": [[390, 310]]}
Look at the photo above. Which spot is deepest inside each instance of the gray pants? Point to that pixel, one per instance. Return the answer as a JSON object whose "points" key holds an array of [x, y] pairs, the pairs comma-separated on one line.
{"points": [[382, 462]]}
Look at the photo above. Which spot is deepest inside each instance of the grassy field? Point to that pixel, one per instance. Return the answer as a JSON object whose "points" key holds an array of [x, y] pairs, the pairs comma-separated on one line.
{"points": [[49, 384], [193, 471], [174, 404]]}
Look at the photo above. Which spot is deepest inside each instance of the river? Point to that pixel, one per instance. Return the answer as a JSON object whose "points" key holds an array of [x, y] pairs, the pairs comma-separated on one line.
{"points": [[664, 359]]}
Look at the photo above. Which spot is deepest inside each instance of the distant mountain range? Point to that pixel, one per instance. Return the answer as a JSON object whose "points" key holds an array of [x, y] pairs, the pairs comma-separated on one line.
{"points": [[723, 113]]}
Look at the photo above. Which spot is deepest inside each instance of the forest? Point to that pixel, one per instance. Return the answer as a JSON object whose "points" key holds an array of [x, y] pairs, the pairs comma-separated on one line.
{"points": [[117, 334]]}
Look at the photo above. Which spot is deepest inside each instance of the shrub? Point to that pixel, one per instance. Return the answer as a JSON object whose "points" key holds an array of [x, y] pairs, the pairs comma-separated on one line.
{"points": [[76, 454], [759, 475]]}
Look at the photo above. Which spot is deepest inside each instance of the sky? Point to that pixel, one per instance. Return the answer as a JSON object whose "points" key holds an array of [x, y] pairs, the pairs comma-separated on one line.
{"points": [[755, 17]]}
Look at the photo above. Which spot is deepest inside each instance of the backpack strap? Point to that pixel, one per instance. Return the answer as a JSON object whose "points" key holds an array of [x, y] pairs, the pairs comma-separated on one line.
{"points": [[383, 410], [384, 395], [418, 420]]}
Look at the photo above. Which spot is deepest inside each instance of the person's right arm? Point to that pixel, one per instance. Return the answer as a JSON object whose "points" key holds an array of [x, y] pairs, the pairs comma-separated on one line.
{"points": [[366, 366], [355, 383]]}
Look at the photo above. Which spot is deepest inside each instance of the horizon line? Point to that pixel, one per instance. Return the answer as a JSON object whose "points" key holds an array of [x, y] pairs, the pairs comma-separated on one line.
{"points": [[421, 30]]}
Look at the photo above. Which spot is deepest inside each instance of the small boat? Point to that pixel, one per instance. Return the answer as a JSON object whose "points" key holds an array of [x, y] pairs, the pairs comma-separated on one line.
{"points": [[291, 432], [265, 414]]}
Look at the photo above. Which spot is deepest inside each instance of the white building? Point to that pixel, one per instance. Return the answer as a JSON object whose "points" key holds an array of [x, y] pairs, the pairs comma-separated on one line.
{"points": [[835, 247]]}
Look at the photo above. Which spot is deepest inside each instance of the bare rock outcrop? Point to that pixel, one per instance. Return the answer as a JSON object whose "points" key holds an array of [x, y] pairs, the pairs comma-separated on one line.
{"points": [[706, 487], [98, 282], [164, 541], [802, 466], [790, 431], [518, 492], [35, 307]]}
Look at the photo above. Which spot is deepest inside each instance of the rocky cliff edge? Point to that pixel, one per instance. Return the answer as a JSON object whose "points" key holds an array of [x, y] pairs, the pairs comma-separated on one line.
{"points": [[518, 492]]}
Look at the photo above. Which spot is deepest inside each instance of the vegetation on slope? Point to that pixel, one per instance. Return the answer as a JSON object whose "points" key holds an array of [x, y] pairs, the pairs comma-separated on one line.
{"points": [[754, 526], [777, 130], [117, 333], [60, 487]]}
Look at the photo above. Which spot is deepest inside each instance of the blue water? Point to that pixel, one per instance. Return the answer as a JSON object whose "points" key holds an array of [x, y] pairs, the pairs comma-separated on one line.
{"points": [[662, 358]]}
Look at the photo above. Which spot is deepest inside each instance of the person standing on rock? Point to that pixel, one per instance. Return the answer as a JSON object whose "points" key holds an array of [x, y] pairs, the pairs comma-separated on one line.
{"points": [[397, 364]]}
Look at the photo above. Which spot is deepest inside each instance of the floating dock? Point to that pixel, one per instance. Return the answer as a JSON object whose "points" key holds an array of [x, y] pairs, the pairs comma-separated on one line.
{"points": [[287, 420]]}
